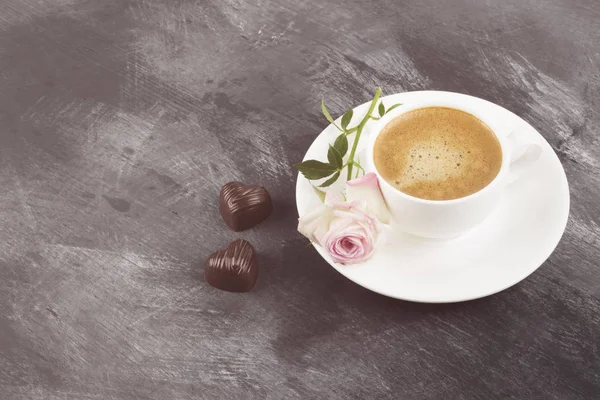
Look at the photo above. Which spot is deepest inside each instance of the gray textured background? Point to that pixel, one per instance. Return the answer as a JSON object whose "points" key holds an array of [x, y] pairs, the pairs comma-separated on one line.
{"points": [[119, 121]]}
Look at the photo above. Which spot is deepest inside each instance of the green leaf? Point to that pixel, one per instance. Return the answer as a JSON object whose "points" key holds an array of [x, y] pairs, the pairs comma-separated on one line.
{"points": [[341, 144], [392, 107], [320, 193], [347, 118], [381, 110], [331, 180], [334, 157], [327, 115], [313, 169]]}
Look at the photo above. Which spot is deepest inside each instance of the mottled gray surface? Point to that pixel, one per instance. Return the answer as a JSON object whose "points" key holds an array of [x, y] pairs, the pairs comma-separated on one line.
{"points": [[119, 121]]}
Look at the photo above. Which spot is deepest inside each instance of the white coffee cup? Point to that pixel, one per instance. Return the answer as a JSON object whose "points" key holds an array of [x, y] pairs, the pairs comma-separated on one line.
{"points": [[442, 219]]}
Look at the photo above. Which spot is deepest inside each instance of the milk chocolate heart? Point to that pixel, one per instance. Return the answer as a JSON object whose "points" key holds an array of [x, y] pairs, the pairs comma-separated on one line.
{"points": [[234, 269], [244, 206]]}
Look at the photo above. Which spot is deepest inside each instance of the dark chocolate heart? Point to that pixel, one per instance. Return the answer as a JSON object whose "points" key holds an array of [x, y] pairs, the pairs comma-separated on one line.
{"points": [[244, 206], [234, 269]]}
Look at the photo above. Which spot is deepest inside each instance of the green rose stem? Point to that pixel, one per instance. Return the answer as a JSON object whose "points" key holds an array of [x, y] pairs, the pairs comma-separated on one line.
{"points": [[314, 170], [359, 129]]}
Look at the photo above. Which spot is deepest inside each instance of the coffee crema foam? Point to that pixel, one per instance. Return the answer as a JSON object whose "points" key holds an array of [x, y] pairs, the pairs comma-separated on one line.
{"points": [[437, 153]]}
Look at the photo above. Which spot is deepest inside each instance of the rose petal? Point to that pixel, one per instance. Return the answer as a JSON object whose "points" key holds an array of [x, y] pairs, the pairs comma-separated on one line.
{"points": [[367, 189], [332, 199], [355, 215], [349, 242], [315, 224]]}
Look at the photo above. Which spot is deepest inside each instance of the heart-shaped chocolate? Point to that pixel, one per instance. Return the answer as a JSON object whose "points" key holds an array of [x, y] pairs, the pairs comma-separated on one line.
{"points": [[234, 269], [244, 206]]}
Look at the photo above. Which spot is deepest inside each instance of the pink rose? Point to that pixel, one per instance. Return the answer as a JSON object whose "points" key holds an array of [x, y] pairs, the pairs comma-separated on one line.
{"points": [[348, 230], [352, 235]]}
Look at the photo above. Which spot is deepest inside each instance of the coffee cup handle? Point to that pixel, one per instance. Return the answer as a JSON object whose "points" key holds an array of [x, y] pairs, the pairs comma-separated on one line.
{"points": [[523, 154]]}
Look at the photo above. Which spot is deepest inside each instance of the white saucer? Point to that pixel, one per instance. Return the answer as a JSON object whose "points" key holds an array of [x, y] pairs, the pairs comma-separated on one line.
{"points": [[512, 243]]}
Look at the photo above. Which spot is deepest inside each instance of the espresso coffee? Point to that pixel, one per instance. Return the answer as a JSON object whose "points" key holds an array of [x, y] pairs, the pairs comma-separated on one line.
{"points": [[437, 153]]}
